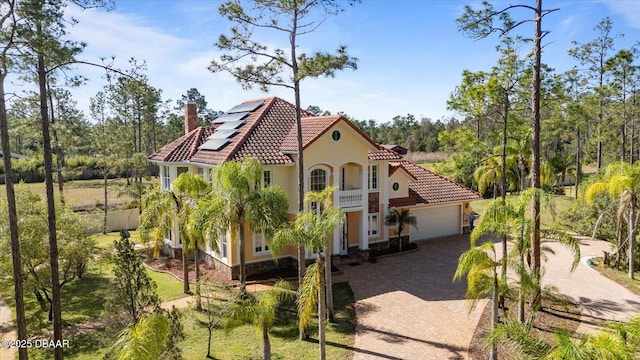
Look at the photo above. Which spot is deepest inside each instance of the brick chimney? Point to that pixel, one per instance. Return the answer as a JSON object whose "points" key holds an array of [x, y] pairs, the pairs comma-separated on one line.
{"points": [[190, 116]]}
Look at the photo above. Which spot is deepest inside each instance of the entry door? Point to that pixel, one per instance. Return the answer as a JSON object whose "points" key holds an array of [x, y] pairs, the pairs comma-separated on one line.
{"points": [[344, 238]]}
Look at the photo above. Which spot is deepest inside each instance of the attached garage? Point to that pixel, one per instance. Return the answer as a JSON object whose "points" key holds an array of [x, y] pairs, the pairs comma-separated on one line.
{"points": [[435, 222]]}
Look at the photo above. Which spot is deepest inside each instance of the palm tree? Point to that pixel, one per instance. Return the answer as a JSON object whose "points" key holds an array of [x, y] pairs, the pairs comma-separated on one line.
{"points": [[312, 229], [400, 218], [261, 311], [480, 263], [622, 181], [144, 340], [161, 208], [236, 198]]}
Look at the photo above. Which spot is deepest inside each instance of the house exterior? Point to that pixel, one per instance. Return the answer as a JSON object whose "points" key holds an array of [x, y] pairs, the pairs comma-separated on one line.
{"points": [[370, 179]]}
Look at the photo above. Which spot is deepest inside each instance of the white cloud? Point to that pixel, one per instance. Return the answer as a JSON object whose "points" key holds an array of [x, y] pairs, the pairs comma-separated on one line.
{"points": [[629, 10]]}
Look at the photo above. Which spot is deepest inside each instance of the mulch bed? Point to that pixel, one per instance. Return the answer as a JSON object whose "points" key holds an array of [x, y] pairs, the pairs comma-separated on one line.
{"points": [[551, 318], [174, 267]]}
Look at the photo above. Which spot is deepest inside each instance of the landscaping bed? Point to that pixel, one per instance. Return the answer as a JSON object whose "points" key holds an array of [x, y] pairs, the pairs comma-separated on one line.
{"points": [[556, 314]]}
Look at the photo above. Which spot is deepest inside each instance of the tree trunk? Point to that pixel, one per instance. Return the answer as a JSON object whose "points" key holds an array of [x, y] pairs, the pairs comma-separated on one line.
{"points": [[632, 237], [243, 270], [51, 206], [322, 316], [106, 205], [209, 343], [302, 335], [185, 270], [503, 187], [578, 161], [493, 353], [266, 344], [329, 286], [535, 144], [56, 148], [13, 219], [197, 265]]}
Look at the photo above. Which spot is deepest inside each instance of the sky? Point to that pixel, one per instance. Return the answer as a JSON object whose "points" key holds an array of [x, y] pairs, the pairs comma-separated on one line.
{"points": [[410, 52]]}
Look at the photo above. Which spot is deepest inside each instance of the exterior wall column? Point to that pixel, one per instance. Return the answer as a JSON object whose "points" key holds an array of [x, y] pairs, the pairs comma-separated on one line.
{"points": [[336, 202], [364, 221], [383, 187]]}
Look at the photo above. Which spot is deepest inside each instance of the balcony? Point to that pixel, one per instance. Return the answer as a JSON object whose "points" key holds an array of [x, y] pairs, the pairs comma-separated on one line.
{"points": [[350, 198]]}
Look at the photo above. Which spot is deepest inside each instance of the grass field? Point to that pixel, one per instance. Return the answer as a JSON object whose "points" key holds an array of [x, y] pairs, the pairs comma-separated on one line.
{"points": [[85, 193]]}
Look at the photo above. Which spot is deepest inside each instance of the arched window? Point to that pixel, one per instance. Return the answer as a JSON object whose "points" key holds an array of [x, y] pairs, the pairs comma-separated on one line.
{"points": [[318, 180]]}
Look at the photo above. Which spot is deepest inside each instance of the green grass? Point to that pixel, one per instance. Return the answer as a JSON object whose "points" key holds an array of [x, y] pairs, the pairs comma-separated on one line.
{"points": [[243, 342], [85, 193], [105, 241], [547, 219], [620, 277], [246, 343]]}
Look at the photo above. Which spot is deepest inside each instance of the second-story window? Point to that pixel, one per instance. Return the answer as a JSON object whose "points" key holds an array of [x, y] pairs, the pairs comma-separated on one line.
{"points": [[166, 179], [318, 180], [373, 177]]}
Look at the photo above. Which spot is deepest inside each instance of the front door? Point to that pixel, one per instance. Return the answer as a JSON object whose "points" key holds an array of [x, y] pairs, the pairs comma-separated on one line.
{"points": [[344, 238]]}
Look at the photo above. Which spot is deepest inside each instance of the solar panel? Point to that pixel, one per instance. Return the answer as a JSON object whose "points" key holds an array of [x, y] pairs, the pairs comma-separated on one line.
{"points": [[213, 144], [230, 117], [228, 125], [245, 107], [223, 134]]}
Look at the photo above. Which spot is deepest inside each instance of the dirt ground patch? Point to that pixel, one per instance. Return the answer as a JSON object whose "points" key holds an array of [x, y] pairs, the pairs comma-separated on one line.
{"points": [[174, 267], [555, 315]]}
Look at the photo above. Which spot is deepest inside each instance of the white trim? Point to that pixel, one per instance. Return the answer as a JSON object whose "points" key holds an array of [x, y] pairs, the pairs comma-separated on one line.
{"points": [[377, 227], [371, 179], [264, 246]]}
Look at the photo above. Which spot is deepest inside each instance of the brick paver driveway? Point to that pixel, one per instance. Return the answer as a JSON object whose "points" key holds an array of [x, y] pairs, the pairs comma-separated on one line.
{"points": [[408, 308]]}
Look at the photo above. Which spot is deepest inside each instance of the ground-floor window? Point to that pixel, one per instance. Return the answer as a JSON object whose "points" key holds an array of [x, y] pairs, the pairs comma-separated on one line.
{"points": [[260, 243], [374, 225], [223, 245]]}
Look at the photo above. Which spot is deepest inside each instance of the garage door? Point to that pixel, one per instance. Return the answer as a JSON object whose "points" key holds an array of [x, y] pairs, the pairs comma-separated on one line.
{"points": [[436, 222]]}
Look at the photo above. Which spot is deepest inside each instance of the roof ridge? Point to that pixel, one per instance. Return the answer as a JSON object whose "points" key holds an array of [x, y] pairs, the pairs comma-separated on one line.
{"points": [[194, 146]]}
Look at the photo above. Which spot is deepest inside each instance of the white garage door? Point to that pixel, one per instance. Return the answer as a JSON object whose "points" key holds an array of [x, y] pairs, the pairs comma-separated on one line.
{"points": [[436, 222]]}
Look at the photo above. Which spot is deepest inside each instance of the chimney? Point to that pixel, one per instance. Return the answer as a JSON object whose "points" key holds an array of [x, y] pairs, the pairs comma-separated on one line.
{"points": [[190, 116]]}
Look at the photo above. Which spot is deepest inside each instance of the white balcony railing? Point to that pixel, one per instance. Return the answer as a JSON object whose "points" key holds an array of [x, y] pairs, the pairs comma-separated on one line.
{"points": [[350, 198]]}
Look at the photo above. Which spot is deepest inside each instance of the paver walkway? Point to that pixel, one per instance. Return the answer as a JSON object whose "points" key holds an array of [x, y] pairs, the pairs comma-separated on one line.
{"points": [[6, 331], [408, 308], [600, 299]]}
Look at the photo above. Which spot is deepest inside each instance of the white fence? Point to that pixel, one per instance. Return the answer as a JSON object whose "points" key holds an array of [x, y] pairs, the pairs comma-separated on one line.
{"points": [[116, 220]]}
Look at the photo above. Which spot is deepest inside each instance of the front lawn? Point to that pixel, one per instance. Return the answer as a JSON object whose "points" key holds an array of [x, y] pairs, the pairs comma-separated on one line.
{"points": [[246, 343], [243, 342]]}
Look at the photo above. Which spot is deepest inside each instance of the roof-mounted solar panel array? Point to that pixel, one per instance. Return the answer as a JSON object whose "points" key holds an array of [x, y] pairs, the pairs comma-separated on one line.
{"points": [[230, 117], [213, 144], [246, 107], [223, 134], [228, 125]]}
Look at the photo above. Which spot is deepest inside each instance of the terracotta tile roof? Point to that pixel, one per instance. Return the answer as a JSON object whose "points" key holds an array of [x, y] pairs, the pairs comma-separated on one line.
{"points": [[429, 188], [312, 128], [260, 137], [384, 154], [269, 133]]}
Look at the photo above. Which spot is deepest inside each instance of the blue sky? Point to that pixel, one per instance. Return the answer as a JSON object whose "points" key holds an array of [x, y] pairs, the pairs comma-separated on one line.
{"points": [[410, 53]]}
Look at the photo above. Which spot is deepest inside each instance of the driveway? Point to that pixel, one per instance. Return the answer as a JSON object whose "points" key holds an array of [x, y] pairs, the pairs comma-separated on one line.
{"points": [[408, 308], [600, 299]]}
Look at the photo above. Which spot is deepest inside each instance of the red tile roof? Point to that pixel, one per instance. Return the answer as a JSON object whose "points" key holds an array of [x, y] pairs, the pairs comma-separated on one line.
{"points": [[312, 128], [383, 154], [429, 188]]}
